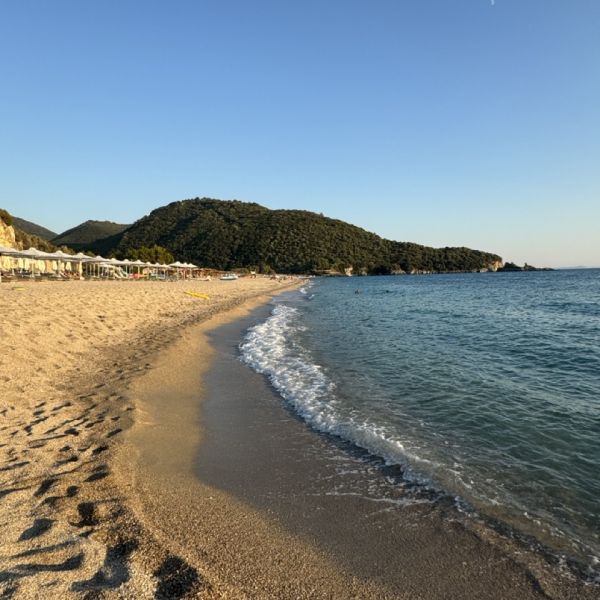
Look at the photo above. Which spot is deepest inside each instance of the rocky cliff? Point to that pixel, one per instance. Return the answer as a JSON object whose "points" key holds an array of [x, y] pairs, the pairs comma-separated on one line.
{"points": [[13, 237], [7, 235]]}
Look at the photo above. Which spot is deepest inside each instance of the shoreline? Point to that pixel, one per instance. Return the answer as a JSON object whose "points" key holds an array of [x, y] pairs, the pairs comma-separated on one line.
{"points": [[199, 523], [228, 477], [315, 484], [99, 473]]}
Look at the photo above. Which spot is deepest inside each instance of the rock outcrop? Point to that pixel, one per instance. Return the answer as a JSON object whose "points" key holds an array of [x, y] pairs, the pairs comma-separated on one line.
{"points": [[7, 235]]}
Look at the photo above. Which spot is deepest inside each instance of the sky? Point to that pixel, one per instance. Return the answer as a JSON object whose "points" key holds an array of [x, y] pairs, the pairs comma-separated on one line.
{"points": [[444, 122]]}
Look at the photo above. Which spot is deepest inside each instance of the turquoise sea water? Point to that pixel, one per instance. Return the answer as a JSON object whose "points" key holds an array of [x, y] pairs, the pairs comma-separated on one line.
{"points": [[486, 386]]}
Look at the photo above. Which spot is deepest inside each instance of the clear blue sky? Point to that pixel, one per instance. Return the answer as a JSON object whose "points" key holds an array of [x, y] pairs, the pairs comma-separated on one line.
{"points": [[444, 122]]}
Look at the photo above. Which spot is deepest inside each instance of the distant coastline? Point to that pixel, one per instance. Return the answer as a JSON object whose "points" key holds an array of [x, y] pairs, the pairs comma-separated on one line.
{"points": [[231, 235]]}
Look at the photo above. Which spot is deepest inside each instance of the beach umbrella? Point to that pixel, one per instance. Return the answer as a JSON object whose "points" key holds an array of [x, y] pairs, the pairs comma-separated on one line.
{"points": [[61, 256], [99, 260], [80, 258], [31, 255], [126, 263], [43, 258], [8, 252], [155, 267], [161, 267], [190, 267], [177, 266], [139, 264], [115, 262]]}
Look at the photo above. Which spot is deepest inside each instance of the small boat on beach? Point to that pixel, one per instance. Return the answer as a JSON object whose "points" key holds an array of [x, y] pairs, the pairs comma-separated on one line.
{"points": [[228, 277]]}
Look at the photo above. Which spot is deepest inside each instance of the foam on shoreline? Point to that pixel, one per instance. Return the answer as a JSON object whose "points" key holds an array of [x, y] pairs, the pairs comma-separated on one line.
{"points": [[271, 348], [101, 422]]}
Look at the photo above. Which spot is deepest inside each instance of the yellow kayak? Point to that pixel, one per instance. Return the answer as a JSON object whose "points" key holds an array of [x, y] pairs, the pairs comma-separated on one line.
{"points": [[198, 295]]}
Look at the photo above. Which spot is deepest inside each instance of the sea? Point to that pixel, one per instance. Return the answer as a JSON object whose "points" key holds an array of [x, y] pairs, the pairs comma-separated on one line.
{"points": [[483, 386]]}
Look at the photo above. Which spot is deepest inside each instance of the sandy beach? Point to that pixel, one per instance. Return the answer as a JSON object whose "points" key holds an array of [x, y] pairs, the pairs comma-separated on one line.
{"points": [[102, 493], [69, 352]]}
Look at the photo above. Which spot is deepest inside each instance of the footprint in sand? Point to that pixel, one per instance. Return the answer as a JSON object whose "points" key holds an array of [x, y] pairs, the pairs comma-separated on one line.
{"points": [[87, 514], [115, 570], [39, 527], [176, 579], [68, 565], [100, 473], [44, 487], [72, 491], [15, 465], [64, 461]]}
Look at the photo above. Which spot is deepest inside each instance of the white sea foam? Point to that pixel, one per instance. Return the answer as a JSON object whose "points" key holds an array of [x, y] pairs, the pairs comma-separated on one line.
{"points": [[272, 348], [305, 289], [269, 349]]}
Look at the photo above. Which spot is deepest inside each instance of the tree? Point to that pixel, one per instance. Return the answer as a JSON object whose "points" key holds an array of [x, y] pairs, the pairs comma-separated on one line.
{"points": [[152, 254], [6, 217], [226, 235]]}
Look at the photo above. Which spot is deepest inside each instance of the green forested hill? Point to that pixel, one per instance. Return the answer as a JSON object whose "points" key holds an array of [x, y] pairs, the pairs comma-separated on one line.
{"points": [[98, 236], [24, 239], [33, 229], [231, 234]]}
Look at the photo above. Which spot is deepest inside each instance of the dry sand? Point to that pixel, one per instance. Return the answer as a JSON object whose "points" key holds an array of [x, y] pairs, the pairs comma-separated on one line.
{"points": [[99, 426], [69, 352]]}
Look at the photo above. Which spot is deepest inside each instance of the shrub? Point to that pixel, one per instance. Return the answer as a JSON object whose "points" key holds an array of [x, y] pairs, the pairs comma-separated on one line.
{"points": [[6, 217]]}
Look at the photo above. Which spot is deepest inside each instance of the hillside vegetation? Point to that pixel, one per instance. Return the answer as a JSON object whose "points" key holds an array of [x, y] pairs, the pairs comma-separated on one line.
{"points": [[233, 234], [21, 240], [33, 229], [97, 236]]}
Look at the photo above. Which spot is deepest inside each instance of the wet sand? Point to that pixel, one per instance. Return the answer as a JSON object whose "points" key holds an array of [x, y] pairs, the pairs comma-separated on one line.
{"points": [[140, 459], [333, 495], [266, 508]]}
